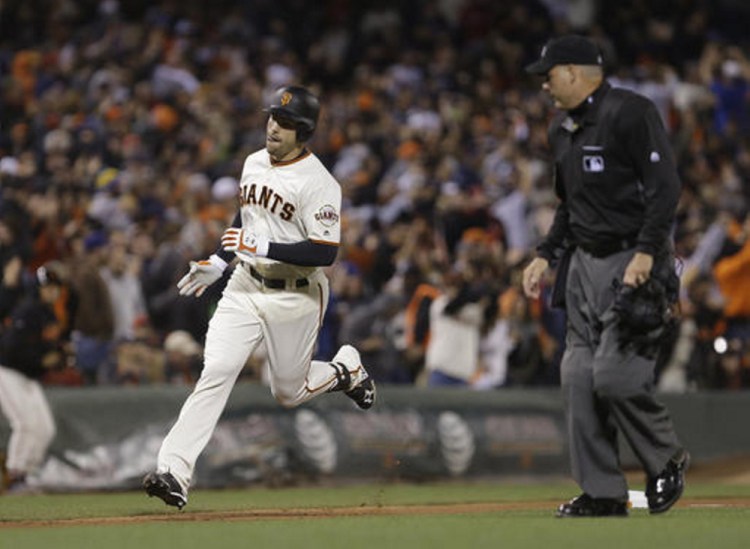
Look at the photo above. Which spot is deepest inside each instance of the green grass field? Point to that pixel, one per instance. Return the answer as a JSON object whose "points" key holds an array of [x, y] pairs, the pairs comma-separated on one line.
{"points": [[383, 516]]}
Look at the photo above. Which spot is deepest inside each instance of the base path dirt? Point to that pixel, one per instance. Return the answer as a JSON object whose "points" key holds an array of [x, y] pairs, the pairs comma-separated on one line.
{"points": [[332, 512]]}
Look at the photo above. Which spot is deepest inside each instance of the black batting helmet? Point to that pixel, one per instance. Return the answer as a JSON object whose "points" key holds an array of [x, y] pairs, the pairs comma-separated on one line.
{"points": [[298, 104]]}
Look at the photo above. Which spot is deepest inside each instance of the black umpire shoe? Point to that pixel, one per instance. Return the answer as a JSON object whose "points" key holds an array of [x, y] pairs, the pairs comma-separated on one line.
{"points": [[586, 506], [165, 487], [663, 490]]}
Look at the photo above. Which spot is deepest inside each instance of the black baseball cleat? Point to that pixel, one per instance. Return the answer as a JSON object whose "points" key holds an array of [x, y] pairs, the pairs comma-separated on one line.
{"points": [[165, 487], [586, 506], [363, 394], [352, 378], [663, 490]]}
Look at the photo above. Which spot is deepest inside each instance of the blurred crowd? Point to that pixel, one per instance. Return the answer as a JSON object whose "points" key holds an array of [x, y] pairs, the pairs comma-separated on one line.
{"points": [[124, 126]]}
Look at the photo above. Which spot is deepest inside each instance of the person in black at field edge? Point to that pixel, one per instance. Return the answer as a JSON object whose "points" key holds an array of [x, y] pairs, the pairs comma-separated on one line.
{"points": [[29, 347], [615, 176]]}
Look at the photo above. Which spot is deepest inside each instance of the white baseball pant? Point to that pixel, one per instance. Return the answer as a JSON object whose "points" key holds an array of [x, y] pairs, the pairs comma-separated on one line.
{"points": [[248, 313], [23, 402]]}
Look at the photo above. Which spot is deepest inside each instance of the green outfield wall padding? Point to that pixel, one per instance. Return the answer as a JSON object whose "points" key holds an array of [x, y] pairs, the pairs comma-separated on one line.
{"points": [[108, 437]]}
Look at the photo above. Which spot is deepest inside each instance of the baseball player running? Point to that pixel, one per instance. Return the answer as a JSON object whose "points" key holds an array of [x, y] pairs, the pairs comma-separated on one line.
{"points": [[287, 228]]}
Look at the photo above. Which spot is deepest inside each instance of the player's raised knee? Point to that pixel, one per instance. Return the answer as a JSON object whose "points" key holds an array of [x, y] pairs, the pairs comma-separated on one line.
{"points": [[287, 399]]}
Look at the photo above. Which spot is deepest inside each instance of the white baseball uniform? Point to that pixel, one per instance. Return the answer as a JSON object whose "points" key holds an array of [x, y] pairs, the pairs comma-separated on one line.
{"points": [[23, 403], [286, 202]]}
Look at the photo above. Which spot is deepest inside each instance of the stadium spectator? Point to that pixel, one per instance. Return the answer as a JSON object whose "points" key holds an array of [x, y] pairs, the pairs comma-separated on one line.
{"points": [[94, 323], [457, 316], [126, 114]]}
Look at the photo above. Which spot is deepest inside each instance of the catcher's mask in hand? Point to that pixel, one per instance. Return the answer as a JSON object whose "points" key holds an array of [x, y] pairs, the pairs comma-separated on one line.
{"points": [[644, 313]]}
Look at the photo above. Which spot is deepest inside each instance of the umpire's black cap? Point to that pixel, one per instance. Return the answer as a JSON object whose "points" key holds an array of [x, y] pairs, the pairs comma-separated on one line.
{"points": [[570, 49]]}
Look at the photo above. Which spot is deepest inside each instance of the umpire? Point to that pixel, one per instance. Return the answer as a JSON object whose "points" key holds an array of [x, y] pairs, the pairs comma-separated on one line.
{"points": [[616, 179]]}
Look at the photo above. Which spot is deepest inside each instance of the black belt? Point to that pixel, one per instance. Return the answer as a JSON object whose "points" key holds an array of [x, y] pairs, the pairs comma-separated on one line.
{"points": [[606, 248], [276, 283]]}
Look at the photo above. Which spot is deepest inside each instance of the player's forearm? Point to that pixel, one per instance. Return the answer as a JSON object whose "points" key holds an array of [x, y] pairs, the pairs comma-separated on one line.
{"points": [[306, 253]]}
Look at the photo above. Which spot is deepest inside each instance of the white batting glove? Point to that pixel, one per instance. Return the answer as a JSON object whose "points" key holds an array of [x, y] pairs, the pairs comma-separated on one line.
{"points": [[244, 243], [201, 275]]}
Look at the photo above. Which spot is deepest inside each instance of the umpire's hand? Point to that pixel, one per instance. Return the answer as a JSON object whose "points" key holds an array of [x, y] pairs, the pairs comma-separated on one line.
{"points": [[532, 276], [638, 270]]}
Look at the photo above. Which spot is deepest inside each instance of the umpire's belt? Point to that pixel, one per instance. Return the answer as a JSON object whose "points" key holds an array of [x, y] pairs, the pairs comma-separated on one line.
{"points": [[276, 283], [606, 248]]}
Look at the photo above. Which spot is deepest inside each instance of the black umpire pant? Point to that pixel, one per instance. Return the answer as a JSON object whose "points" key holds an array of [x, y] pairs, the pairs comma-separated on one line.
{"points": [[608, 390]]}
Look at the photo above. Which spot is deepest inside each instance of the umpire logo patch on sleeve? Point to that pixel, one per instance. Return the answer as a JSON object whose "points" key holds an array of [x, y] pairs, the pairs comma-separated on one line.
{"points": [[593, 163]]}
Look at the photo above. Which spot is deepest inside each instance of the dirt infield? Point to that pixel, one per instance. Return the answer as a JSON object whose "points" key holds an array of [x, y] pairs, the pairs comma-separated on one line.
{"points": [[332, 512], [731, 471]]}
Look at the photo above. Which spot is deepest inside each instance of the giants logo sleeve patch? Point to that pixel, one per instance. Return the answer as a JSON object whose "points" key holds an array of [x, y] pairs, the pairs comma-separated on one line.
{"points": [[327, 216]]}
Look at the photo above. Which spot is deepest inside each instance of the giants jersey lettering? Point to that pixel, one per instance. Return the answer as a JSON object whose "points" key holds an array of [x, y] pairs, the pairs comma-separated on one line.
{"points": [[267, 198], [289, 202]]}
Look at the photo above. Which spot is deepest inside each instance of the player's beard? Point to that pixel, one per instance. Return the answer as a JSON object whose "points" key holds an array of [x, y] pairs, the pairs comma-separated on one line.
{"points": [[281, 150]]}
